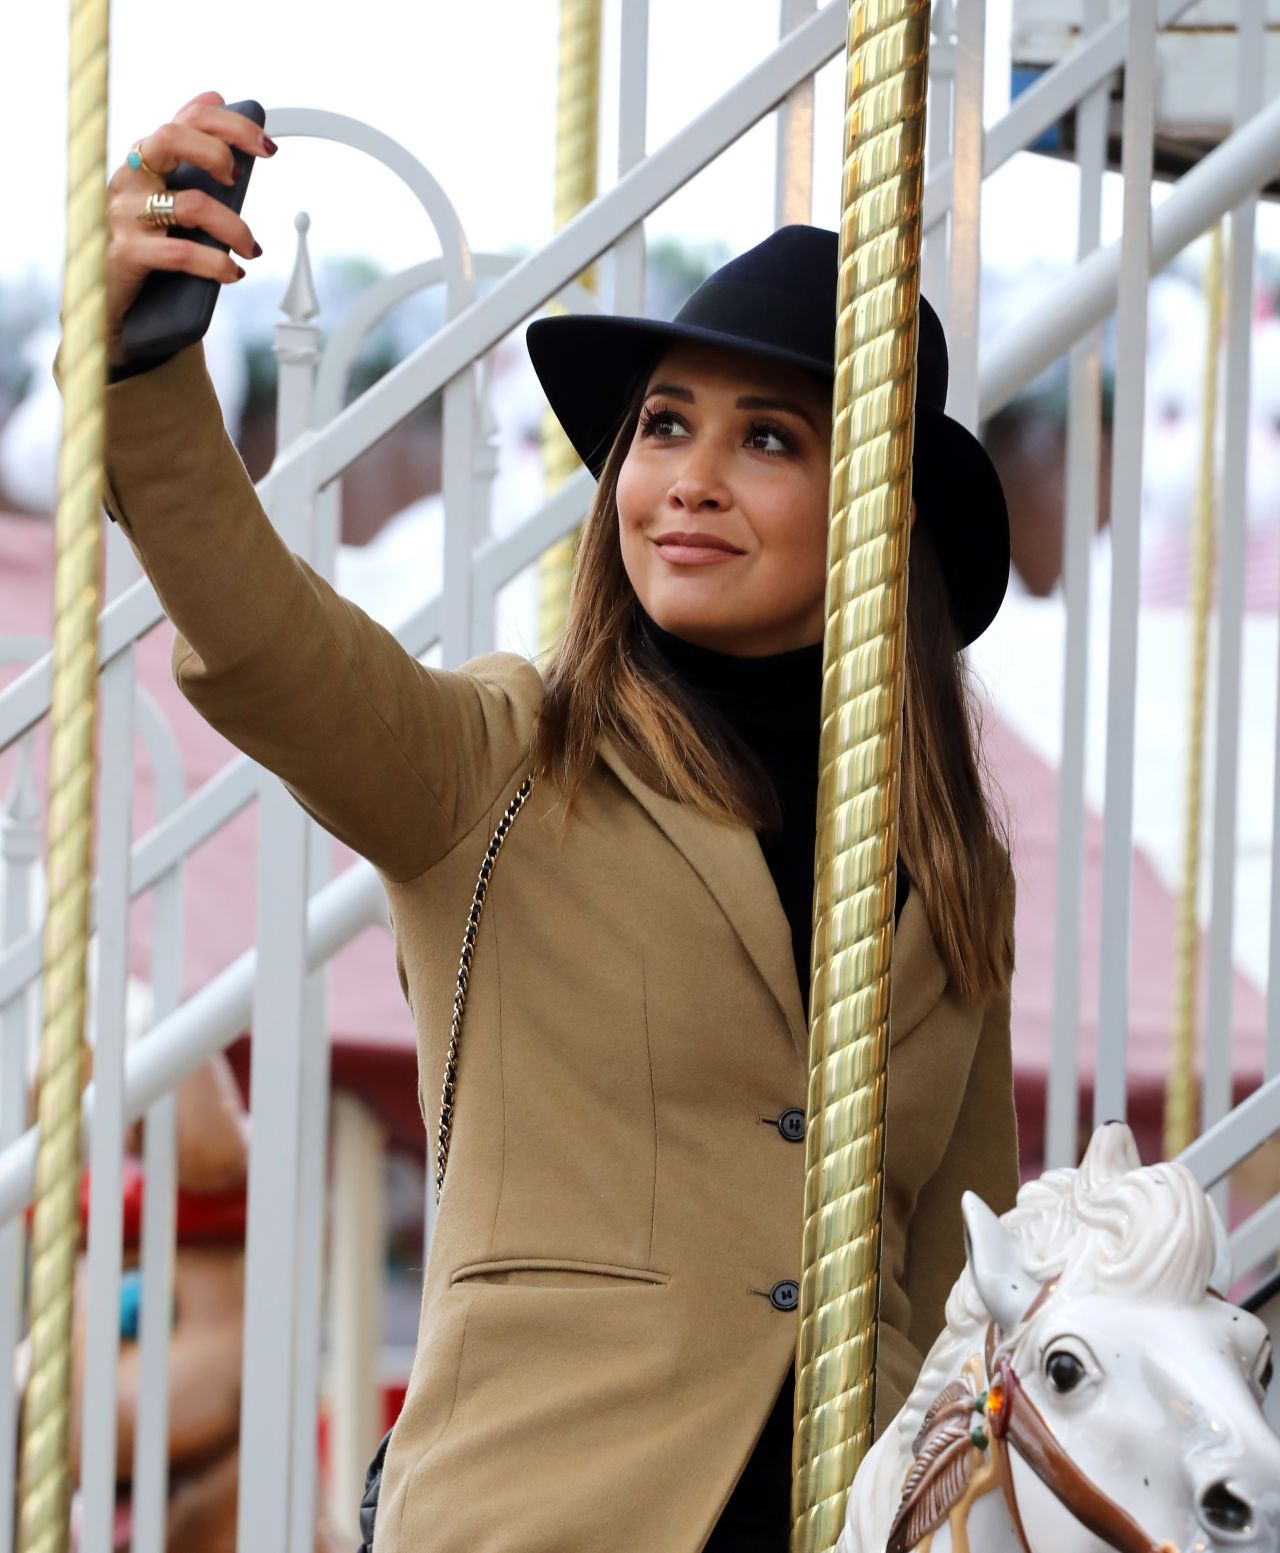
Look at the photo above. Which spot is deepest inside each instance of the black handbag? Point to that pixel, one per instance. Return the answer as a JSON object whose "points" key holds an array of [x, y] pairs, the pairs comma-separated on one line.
{"points": [[373, 1477]]}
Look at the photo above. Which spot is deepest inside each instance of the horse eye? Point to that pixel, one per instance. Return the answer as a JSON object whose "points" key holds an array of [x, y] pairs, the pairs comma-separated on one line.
{"points": [[1064, 1370]]}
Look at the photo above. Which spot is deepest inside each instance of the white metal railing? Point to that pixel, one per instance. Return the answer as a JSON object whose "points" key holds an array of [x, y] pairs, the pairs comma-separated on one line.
{"points": [[306, 917]]}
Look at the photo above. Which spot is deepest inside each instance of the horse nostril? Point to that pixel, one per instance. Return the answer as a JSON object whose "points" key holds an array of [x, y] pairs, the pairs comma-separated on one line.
{"points": [[1223, 1510]]}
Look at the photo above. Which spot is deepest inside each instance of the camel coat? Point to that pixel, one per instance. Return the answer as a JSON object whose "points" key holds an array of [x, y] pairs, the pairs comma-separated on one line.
{"points": [[599, 1345]]}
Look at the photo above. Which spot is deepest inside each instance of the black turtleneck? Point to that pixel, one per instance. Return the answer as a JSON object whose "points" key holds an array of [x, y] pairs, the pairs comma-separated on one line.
{"points": [[771, 706]]}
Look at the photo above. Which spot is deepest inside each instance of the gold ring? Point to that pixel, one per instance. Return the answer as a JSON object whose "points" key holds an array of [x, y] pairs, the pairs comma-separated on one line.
{"points": [[137, 161], [158, 211]]}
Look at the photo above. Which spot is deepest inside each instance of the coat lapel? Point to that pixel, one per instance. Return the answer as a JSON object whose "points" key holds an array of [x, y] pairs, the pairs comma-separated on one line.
{"points": [[728, 860]]}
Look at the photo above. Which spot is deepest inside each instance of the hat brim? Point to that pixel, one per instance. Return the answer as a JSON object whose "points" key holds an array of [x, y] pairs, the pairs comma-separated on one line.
{"points": [[590, 366]]}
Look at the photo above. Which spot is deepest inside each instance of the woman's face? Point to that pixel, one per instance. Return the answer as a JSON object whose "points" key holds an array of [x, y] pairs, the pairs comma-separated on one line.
{"points": [[722, 501]]}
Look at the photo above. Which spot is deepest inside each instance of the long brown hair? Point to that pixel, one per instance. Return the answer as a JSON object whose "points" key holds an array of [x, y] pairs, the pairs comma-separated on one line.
{"points": [[606, 680]]}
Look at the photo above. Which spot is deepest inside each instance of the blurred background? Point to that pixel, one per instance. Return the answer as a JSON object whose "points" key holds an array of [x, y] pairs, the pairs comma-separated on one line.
{"points": [[470, 91]]}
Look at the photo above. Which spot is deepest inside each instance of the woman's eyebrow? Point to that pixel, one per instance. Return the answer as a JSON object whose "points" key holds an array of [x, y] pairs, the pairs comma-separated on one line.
{"points": [[790, 406], [746, 402]]}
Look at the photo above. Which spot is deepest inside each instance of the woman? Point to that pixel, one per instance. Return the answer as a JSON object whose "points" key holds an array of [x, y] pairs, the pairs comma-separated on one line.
{"points": [[608, 1320]]}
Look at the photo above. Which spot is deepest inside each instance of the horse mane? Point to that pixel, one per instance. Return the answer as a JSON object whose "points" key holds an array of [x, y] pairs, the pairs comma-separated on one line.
{"points": [[1113, 1225]]}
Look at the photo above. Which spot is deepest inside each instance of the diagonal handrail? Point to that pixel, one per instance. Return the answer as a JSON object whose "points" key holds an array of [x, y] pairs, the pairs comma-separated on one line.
{"points": [[207, 1022], [1234, 169], [1217, 1152], [1061, 89]]}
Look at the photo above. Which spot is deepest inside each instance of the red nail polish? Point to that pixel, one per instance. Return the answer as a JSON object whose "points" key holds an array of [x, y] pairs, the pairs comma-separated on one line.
{"points": [[239, 273], [269, 145], [257, 250]]}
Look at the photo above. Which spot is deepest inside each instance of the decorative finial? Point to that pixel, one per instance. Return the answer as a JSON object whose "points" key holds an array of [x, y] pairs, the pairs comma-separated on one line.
{"points": [[300, 301]]}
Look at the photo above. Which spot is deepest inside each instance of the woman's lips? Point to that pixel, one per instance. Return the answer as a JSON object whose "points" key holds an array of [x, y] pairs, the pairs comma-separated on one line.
{"points": [[694, 555]]}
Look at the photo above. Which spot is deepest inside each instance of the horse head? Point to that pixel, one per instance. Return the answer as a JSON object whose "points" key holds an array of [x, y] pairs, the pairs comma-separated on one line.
{"points": [[1093, 1389]]}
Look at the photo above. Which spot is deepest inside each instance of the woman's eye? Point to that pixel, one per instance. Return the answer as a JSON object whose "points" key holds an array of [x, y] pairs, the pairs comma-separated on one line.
{"points": [[769, 439], [660, 423], [1064, 1370]]}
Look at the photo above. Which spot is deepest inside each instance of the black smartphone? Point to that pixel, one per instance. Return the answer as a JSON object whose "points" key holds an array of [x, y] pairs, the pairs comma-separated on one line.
{"points": [[174, 309]]}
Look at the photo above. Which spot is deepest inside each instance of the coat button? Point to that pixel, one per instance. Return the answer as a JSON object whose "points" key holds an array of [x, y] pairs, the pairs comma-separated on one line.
{"points": [[791, 1125], [785, 1295]]}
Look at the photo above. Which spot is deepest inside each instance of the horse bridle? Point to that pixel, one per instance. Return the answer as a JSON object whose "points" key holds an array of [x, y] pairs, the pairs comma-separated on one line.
{"points": [[1013, 1420]]}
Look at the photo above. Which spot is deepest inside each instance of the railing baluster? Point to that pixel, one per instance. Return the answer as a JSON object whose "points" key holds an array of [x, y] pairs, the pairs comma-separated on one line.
{"points": [[20, 855], [106, 1149], [313, 1131], [355, 1286], [965, 277], [1084, 431], [314, 1079], [935, 262], [457, 480], [277, 1059], [1126, 510], [1216, 1098], [151, 1445], [633, 115], [793, 168], [271, 1245]]}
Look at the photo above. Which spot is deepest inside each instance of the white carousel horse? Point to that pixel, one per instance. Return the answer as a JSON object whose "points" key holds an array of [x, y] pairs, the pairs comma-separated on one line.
{"points": [[1091, 1390]]}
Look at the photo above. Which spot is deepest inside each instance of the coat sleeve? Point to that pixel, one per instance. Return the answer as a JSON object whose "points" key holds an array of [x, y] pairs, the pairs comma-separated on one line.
{"points": [[981, 1156], [395, 759]]}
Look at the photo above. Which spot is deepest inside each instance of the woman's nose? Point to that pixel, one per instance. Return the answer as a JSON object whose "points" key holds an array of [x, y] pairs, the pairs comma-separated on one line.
{"points": [[699, 487]]}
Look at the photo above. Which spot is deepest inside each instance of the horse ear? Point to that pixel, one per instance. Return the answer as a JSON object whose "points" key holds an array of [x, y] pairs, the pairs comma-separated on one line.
{"points": [[995, 1260], [1112, 1152], [1220, 1278]]}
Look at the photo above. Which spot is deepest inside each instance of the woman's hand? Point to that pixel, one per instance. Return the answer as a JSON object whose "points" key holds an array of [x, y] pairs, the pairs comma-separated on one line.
{"points": [[203, 131]]}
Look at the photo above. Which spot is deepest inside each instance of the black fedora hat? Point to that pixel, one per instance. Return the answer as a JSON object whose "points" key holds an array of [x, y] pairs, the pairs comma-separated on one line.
{"points": [[778, 300]]}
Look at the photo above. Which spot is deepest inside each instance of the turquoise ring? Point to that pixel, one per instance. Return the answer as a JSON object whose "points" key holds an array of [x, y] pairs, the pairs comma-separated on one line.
{"points": [[136, 160]]}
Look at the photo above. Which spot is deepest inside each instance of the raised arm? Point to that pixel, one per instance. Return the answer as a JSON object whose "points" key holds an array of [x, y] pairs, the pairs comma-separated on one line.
{"points": [[396, 759]]}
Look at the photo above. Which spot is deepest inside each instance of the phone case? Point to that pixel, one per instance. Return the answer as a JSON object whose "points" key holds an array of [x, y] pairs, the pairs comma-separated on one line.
{"points": [[174, 309]]}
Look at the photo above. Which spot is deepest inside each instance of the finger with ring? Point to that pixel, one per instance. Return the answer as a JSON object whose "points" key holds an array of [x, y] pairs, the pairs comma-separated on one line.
{"points": [[158, 211], [137, 161]]}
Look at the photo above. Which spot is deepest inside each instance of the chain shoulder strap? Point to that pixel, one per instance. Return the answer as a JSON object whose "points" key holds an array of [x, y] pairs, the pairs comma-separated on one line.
{"points": [[464, 976]]}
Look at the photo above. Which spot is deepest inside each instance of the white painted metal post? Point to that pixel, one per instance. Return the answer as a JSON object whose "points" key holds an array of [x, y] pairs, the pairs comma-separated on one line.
{"points": [[277, 1063], [633, 116], [298, 348], [460, 425], [1216, 1094], [20, 854], [271, 1246], [313, 1130], [1080, 524], [1126, 511], [106, 1143], [965, 281], [793, 173], [160, 1149], [934, 254], [355, 1282]]}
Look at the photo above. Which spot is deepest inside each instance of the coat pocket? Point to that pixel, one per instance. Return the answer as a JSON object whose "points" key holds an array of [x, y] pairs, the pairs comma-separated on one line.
{"points": [[544, 1272]]}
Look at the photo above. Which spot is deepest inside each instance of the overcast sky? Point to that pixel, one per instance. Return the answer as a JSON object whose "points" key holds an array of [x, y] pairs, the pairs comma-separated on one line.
{"points": [[470, 90]]}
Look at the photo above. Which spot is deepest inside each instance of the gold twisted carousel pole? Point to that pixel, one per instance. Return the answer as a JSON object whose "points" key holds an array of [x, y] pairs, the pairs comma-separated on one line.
{"points": [[45, 1478], [577, 135], [1180, 1092], [855, 872]]}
